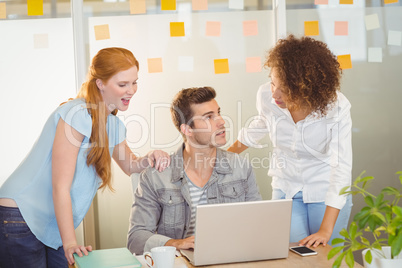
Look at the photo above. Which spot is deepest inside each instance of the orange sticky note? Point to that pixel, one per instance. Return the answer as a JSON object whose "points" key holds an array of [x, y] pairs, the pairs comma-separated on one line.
{"points": [[345, 61], [35, 7], [341, 28], [311, 28], [250, 27], [200, 4], [321, 2], [3, 11], [176, 29], [137, 7], [390, 1], [346, 2], [253, 64], [168, 4], [155, 65], [213, 28], [221, 66], [102, 32]]}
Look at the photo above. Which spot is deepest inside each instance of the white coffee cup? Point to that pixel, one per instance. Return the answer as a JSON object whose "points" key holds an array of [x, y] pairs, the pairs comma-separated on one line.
{"points": [[161, 257]]}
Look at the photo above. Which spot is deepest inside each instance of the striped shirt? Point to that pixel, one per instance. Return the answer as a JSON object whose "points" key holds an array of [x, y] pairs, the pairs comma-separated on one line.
{"points": [[198, 197]]}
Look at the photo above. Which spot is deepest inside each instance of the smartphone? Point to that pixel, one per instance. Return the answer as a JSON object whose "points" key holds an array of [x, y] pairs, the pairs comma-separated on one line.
{"points": [[303, 251]]}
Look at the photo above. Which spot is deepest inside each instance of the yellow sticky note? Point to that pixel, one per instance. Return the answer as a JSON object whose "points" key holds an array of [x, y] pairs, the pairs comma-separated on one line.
{"points": [[213, 28], [168, 4], [390, 1], [35, 7], [311, 28], [102, 32], [155, 65], [250, 27], [346, 2], [200, 4], [137, 7], [3, 11], [176, 29], [221, 66], [253, 64], [345, 61]]}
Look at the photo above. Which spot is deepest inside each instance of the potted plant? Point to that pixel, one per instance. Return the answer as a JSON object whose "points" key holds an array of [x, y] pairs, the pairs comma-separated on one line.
{"points": [[381, 218]]}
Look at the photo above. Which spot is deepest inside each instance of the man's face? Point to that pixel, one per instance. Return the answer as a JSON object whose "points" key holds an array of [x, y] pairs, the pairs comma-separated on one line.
{"points": [[208, 126]]}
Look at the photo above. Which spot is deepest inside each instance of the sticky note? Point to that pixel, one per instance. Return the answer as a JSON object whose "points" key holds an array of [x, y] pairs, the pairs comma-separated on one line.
{"points": [[345, 61], [137, 7], [374, 54], [176, 29], [41, 41], [200, 4], [390, 1], [346, 2], [321, 2], [35, 7], [311, 28], [213, 28], [372, 22], [221, 66], [102, 32], [3, 11], [186, 64], [341, 28], [250, 27], [253, 64], [155, 65], [236, 4], [394, 38], [168, 4]]}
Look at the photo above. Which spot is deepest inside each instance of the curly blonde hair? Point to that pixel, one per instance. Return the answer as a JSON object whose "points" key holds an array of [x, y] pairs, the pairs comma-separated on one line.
{"points": [[309, 72]]}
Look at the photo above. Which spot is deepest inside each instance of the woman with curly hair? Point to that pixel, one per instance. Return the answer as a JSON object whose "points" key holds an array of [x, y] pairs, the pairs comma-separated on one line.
{"points": [[309, 124], [48, 195]]}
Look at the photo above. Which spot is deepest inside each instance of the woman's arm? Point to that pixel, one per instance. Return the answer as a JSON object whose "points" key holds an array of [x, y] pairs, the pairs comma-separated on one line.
{"points": [[66, 146], [237, 147], [325, 232], [129, 163]]}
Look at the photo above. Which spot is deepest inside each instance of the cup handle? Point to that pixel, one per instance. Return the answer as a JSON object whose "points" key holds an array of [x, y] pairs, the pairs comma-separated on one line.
{"points": [[148, 254]]}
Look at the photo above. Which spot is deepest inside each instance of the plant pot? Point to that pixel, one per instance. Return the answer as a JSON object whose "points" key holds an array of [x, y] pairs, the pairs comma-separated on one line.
{"points": [[379, 261]]}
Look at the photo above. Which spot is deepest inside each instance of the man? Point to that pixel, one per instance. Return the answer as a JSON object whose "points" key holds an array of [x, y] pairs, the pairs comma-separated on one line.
{"points": [[163, 212]]}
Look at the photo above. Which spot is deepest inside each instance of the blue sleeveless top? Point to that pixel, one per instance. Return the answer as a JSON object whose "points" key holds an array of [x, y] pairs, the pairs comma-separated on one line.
{"points": [[30, 185]]}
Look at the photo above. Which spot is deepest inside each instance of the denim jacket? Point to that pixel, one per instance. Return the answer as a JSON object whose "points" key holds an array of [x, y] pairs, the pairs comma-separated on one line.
{"points": [[162, 205]]}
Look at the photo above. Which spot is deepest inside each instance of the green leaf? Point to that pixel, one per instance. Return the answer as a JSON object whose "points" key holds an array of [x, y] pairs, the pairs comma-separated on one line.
{"points": [[338, 261], [349, 259], [338, 241], [352, 231], [390, 191], [368, 256], [344, 190], [369, 201], [365, 241], [397, 211], [396, 245], [400, 176], [345, 233], [334, 251]]}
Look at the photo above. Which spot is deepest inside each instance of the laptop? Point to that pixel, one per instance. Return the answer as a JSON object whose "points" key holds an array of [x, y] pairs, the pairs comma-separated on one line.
{"points": [[241, 232]]}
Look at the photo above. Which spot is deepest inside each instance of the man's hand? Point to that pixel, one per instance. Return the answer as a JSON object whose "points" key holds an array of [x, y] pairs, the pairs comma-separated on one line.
{"points": [[186, 243]]}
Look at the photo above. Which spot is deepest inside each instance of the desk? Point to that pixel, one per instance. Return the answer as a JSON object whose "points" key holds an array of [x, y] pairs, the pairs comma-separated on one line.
{"points": [[293, 260]]}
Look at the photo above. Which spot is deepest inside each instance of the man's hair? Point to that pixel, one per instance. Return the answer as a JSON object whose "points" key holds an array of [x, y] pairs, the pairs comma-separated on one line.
{"points": [[181, 105]]}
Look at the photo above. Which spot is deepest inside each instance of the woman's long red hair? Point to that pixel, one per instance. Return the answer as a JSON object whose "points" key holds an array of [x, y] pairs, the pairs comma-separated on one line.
{"points": [[106, 63]]}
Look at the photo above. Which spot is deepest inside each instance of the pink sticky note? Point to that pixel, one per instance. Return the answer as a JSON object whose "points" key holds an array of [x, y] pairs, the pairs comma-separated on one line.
{"points": [[250, 27], [341, 28], [155, 65], [213, 28], [321, 2], [253, 64], [200, 4]]}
